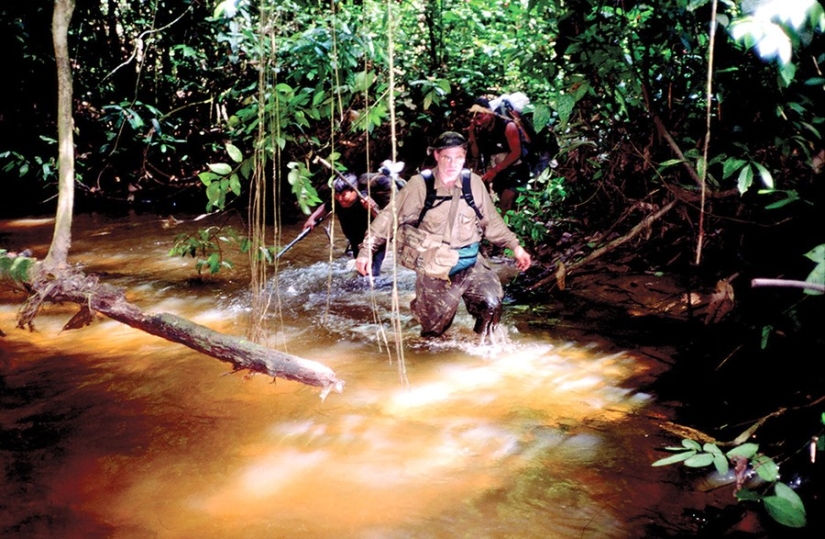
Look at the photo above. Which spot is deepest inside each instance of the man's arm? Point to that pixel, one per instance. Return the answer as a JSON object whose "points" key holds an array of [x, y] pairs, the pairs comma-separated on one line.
{"points": [[380, 231], [315, 216], [511, 131]]}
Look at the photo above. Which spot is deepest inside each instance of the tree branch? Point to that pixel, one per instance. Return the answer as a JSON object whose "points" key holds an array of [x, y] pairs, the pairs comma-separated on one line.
{"points": [[760, 283]]}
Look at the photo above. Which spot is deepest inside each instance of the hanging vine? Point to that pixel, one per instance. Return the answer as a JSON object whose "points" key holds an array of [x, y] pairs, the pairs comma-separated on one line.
{"points": [[258, 259]]}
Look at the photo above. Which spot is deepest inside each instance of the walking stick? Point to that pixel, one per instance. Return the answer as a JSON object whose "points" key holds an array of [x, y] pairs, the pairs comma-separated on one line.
{"points": [[299, 237]]}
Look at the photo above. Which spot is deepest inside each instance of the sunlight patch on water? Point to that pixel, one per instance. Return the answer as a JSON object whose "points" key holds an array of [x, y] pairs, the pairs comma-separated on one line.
{"points": [[27, 223], [272, 474]]}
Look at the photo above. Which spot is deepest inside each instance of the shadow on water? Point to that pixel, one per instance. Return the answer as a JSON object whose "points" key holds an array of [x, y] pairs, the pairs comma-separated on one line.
{"points": [[109, 432]]}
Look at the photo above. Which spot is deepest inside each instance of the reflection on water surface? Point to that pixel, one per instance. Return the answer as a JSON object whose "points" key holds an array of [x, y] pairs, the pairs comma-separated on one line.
{"points": [[109, 432]]}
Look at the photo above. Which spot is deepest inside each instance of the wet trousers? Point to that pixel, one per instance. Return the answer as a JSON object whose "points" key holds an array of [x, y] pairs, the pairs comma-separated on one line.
{"points": [[436, 300]]}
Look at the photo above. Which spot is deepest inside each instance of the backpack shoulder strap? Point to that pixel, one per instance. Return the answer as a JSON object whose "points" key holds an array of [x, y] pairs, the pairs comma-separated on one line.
{"points": [[429, 200], [467, 192]]}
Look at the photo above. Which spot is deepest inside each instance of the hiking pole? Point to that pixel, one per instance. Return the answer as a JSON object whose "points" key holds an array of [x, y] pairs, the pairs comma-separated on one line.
{"points": [[370, 203], [298, 238]]}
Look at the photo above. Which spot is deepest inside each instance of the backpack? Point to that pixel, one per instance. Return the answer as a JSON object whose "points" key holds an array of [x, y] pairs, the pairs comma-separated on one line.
{"points": [[429, 201], [379, 186], [537, 148]]}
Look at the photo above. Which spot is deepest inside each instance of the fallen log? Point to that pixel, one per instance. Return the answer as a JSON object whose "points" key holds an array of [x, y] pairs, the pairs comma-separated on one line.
{"points": [[242, 354]]}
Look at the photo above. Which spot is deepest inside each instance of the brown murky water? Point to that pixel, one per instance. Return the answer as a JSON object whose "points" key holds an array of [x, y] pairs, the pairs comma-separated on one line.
{"points": [[109, 432]]}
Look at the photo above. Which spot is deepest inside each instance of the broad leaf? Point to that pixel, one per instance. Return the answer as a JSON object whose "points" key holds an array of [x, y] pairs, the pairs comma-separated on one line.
{"points": [[678, 457], [234, 153], [745, 450], [700, 460], [745, 179], [220, 168], [786, 507], [766, 468]]}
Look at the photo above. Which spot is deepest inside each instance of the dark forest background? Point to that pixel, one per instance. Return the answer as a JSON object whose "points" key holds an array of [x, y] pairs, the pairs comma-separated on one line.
{"points": [[178, 105]]}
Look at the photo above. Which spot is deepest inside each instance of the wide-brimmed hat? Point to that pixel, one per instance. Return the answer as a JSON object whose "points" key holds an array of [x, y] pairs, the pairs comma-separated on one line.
{"points": [[448, 139]]}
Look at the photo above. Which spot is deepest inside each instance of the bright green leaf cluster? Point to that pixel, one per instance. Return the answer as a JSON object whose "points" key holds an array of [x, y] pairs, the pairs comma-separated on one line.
{"points": [[205, 247], [16, 268], [784, 506], [222, 179]]}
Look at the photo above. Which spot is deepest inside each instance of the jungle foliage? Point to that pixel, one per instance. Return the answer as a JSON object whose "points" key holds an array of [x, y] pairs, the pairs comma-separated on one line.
{"points": [[177, 102]]}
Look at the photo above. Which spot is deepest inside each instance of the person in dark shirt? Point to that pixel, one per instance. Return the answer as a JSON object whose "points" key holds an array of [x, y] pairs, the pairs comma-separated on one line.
{"points": [[498, 146], [355, 212]]}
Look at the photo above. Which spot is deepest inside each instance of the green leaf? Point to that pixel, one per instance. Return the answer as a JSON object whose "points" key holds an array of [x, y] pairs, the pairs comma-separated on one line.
{"points": [[690, 444], [220, 168], [784, 491], [745, 179], [790, 196], [712, 449], [234, 153], [748, 495], [732, 165], [670, 162], [767, 179], [817, 276], [701, 166], [673, 459], [817, 254], [214, 262], [235, 184], [786, 507], [699, 460], [745, 451], [721, 464], [207, 177], [787, 72], [213, 193], [765, 468], [766, 333]]}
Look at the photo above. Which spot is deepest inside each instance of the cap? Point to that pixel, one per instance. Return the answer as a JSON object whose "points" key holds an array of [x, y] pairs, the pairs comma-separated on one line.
{"points": [[448, 139]]}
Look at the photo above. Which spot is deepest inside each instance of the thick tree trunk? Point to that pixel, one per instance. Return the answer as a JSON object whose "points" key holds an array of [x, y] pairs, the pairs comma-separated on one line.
{"points": [[91, 295]]}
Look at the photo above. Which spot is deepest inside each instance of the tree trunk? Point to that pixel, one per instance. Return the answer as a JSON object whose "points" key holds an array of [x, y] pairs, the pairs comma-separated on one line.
{"points": [[91, 295], [62, 239]]}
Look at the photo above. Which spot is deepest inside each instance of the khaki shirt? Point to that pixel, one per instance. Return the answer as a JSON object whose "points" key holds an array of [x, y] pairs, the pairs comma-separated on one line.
{"points": [[465, 228]]}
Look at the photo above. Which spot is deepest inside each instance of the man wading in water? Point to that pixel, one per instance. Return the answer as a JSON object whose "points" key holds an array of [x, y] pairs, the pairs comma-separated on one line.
{"points": [[438, 237], [353, 212]]}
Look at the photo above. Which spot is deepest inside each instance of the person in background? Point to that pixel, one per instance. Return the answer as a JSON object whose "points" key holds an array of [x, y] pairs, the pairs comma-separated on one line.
{"points": [[499, 148], [452, 220], [355, 212]]}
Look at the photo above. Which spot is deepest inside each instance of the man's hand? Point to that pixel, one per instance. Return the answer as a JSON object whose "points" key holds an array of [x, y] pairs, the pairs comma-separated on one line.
{"points": [[362, 265], [523, 258], [489, 175], [371, 205]]}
